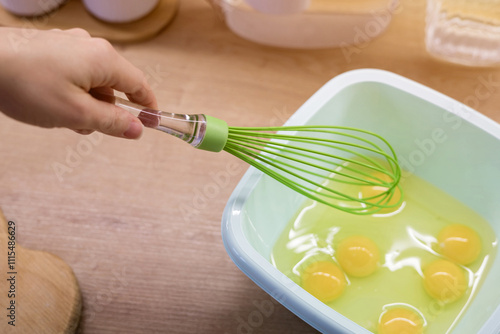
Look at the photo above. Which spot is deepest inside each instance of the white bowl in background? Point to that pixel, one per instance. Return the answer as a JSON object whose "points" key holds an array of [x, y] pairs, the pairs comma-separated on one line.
{"points": [[30, 7], [120, 11], [279, 6], [308, 28]]}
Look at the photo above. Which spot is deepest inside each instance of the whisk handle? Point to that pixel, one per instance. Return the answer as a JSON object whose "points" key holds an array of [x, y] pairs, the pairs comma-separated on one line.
{"points": [[200, 131]]}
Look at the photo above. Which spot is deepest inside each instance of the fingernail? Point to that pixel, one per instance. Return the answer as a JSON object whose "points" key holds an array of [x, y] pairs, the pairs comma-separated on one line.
{"points": [[134, 130]]}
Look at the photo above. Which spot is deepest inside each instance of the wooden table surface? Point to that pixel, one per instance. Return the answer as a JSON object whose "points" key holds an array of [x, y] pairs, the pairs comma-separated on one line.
{"points": [[128, 216]]}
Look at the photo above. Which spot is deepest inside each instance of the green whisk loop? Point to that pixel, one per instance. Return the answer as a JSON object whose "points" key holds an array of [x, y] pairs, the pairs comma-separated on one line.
{"points": [[324, 163], [304, 157]]}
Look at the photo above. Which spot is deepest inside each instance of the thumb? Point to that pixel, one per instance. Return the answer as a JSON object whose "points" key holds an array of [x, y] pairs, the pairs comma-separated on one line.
{"points": [[111, 120]]}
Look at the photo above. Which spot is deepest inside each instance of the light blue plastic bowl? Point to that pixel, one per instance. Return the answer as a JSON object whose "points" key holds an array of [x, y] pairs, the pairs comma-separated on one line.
{"points": [[464, 161]]}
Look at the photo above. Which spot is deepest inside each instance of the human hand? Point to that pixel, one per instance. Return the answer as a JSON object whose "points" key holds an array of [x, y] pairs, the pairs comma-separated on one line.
{"points": [[47, 81]]}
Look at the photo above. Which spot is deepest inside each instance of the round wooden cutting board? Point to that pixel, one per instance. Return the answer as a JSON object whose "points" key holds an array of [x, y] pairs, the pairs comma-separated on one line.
{"points": [[38, 291]]}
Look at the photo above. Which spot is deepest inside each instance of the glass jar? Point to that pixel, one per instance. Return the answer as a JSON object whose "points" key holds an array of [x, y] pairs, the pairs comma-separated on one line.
{"points": [[464, 31]]}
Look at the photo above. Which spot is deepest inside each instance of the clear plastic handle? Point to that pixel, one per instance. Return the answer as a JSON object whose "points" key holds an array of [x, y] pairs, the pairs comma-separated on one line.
{"points": [[189, 128]]}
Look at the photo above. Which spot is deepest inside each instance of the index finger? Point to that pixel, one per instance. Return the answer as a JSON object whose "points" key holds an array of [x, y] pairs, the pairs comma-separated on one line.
{"points": [[121, 75]]}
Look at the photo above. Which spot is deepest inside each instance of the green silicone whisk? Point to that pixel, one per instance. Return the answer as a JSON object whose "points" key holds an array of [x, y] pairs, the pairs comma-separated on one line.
{"points": [[312, 160]]}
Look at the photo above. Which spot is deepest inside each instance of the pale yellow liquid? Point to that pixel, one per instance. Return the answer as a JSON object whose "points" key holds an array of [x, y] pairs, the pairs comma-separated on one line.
{"points": [[482, 11], [407, 242], [349, 6]]}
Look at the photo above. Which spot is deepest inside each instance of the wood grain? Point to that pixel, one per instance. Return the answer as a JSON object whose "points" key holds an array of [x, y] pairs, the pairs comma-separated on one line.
{"points": [[40, 289], [73, 14], [128, 216]]}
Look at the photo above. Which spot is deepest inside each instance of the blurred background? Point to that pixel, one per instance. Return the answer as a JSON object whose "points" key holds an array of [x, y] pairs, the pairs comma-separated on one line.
{"points": [[139, 221]]}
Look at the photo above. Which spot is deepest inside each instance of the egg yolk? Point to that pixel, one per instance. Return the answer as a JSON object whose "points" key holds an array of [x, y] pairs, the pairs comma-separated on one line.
{"points": [[358, 256], [324, 280], [459, 243], [371, 191], [400, 320], [444, 281]]}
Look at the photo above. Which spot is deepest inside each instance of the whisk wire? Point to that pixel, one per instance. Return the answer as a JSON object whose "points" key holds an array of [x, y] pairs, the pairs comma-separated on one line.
{"points": [[297, 151], [289, 159], [251, 135], [365, 209], [279, 177], [279, 165], [276, 164]]}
